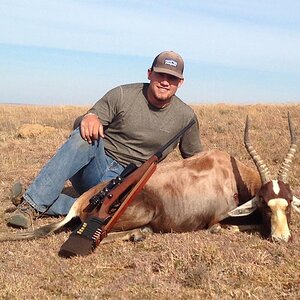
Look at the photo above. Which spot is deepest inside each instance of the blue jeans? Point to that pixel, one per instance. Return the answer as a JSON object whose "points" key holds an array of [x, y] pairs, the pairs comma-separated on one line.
{"points": [[85, 165]]}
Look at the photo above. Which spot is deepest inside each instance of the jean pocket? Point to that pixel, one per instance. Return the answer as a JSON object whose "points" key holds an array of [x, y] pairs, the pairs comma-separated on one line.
{"points": [[113, 166]]}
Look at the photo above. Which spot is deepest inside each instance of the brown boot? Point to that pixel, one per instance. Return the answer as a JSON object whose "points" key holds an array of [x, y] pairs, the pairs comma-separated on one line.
{"points": [[22, 217], [16, 193]]}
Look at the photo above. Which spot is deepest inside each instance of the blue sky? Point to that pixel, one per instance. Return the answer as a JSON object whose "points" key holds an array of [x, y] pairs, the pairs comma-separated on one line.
{"points": [[72, 52]]}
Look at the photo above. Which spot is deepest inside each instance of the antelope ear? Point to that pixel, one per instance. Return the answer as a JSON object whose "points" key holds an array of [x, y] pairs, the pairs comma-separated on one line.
{"points": [[244, 209], [296, 204]]}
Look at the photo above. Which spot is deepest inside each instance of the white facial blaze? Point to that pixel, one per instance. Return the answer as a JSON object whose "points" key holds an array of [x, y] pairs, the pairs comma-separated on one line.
{"points": [[279, 226], [276, 187]]}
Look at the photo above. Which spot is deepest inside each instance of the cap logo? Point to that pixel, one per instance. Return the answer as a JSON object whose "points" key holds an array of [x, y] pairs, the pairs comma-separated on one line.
{"points": [[171, 62]]}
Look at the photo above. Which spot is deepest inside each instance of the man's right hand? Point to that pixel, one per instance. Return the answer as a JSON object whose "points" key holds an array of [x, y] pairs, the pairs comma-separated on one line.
{"points": [[91, 129]]}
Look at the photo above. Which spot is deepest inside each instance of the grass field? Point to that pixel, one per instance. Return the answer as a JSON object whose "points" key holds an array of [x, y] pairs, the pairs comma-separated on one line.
{"points": [[197, 265]]}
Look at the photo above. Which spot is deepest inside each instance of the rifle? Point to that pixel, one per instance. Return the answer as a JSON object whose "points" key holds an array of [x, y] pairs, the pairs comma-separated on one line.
{"points": [[107, 206]]}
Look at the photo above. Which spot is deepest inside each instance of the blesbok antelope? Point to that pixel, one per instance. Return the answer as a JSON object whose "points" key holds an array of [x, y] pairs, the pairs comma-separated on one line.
{"points": [[198, 192], [275, 198]]}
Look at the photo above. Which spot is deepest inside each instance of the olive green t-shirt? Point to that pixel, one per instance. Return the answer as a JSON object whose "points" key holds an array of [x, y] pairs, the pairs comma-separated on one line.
{"points": [[135, 130]]}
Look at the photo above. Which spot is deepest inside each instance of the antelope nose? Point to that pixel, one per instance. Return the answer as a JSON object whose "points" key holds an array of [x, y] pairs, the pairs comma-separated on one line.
{"points": [[281, 239]]}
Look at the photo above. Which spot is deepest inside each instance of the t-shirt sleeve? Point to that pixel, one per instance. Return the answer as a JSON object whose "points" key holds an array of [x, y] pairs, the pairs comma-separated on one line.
{"points": [[190, 143], [107, 107]]}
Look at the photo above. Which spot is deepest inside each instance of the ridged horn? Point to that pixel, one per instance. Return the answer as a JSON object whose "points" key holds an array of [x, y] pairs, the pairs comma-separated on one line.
{"points": [[286, 165], [260, 165]]}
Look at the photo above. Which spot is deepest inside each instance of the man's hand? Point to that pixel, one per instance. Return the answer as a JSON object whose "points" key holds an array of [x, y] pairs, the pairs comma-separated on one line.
{"points": [[91, 128]]}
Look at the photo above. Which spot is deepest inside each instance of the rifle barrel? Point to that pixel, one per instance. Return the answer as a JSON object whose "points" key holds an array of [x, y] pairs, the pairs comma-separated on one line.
{"points": [[171, 141]]}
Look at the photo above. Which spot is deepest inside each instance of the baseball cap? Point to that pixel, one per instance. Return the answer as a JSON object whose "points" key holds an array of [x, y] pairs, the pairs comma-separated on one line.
{"points": [[169, 62]]}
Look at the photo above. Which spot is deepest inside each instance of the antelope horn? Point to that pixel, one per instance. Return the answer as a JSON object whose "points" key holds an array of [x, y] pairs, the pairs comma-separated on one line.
{"points": [[260, 165], [285, 166]]}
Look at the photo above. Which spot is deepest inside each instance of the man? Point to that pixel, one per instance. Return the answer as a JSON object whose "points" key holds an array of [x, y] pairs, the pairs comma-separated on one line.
{"points": [[128, 125]]}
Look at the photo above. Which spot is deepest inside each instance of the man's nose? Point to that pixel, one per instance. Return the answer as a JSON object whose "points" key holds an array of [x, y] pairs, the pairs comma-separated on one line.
{"points": [[165, 79]]}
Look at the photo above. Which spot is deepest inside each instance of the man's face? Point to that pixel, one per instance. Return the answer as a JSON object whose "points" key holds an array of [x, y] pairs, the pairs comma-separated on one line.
{"points": [[163, 86]]}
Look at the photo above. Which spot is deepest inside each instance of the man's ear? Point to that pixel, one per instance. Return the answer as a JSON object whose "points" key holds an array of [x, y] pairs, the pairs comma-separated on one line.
{"points": [[180, 83], [149, 72]]}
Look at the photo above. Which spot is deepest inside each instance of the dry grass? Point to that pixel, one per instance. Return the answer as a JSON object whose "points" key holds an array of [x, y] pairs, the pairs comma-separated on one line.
{"points": [[195, 265]]}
